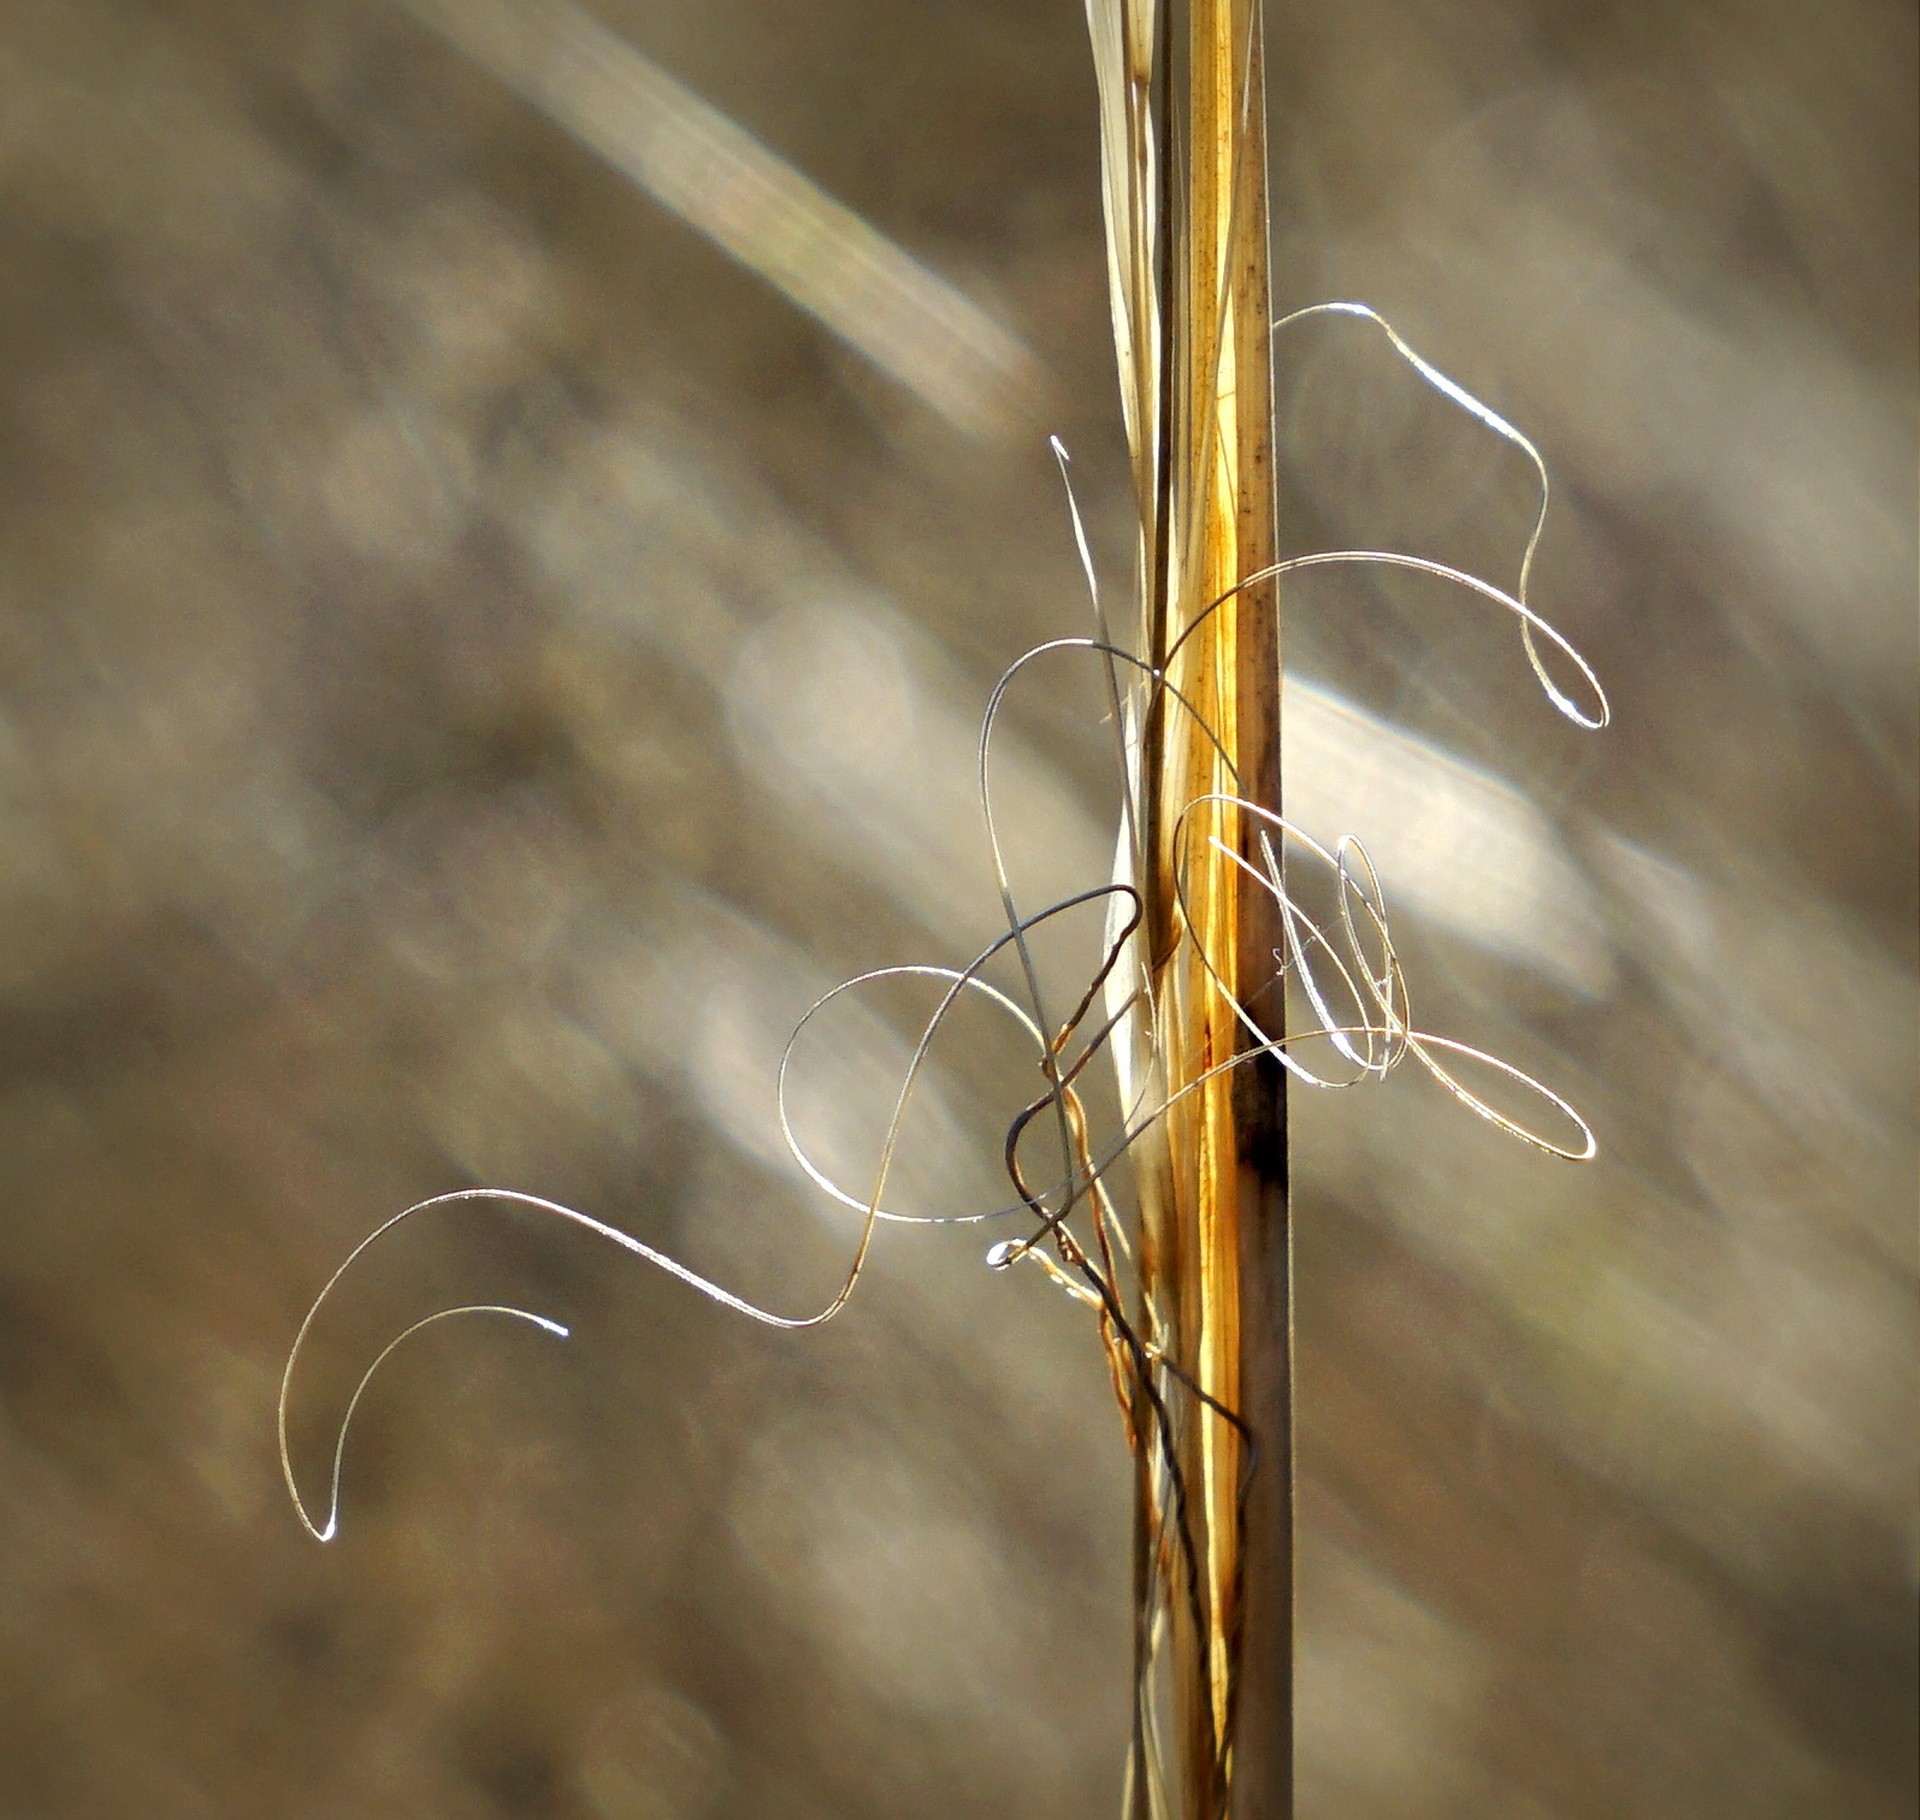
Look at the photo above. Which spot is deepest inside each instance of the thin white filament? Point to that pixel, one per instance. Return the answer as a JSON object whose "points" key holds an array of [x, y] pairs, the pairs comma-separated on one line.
{"points": [[1349, 972]]}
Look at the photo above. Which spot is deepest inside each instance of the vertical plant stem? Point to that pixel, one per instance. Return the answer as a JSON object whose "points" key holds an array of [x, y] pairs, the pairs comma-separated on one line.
{"points": [[1263, 1743], [1218, 1237]]}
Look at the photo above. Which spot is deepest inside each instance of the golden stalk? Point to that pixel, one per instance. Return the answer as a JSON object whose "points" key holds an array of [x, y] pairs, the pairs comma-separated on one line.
{"points": [[1185, 158]]}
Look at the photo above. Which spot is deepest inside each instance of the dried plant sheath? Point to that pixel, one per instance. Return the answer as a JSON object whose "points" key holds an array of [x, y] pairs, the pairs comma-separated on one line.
{"points": [[1185, 159]]}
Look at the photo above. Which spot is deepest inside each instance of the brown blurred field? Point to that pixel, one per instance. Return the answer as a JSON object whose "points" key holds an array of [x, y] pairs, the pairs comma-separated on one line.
{"points": [[475, 662]]}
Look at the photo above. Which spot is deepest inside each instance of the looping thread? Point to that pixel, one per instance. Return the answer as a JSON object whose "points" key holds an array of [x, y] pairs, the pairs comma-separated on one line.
{"points": [[1349, 973]]}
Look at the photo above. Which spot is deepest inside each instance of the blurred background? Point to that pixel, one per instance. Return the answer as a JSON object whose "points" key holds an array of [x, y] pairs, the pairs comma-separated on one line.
{"points": [[510, 516]]}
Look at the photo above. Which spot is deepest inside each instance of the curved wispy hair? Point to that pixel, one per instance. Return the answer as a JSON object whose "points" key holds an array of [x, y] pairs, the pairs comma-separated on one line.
{"points": [[1180, 1002]]}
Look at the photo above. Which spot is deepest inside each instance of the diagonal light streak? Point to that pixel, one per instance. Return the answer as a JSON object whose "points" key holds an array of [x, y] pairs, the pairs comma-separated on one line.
{"points": [[713, 174], [1455, 842]]}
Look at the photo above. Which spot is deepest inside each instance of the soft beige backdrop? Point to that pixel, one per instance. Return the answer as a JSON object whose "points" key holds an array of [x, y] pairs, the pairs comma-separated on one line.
{"points": [[475, 661]]}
